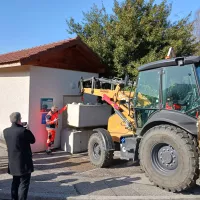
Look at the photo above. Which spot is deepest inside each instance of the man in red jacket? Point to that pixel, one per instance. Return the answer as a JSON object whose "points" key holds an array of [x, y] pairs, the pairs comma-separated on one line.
{"points": [[51, 125]]}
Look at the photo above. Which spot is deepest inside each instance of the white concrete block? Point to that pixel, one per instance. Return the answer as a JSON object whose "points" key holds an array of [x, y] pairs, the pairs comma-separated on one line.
{"points": [[88, 115], [75, 141]]}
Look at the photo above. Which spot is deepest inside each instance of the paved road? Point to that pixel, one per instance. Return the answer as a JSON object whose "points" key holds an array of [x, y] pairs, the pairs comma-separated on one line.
{"points": [[62, 176]]}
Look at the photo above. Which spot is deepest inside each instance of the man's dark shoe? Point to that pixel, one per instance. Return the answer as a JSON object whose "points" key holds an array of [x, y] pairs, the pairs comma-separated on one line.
{"points": [[48, 152]]}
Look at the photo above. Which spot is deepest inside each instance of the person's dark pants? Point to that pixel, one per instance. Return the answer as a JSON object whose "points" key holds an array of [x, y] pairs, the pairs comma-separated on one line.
{"points": [[20, 187]]}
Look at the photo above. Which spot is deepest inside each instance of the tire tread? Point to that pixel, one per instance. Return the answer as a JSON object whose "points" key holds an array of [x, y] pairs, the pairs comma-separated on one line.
{"points": [[191, 145], [108, 157]]}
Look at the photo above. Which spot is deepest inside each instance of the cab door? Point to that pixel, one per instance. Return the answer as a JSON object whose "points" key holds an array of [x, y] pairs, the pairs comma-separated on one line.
{"points": [[147, 99]]}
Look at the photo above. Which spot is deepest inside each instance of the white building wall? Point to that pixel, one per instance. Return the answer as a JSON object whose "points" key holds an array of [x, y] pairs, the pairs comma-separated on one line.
{"points": [[14, 96], [50, 83]]}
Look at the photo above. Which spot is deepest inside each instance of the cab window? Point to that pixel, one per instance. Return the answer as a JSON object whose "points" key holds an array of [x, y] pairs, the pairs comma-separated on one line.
{"points": [[179, 88], [148, 89]]}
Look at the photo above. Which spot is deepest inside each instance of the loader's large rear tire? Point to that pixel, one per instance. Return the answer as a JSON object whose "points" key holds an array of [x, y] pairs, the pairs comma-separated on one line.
{"points": [[99, 156], [169, 157]]}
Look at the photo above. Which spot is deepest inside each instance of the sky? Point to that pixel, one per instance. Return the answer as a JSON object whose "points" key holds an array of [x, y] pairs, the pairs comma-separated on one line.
{"points": [[29, 23]]}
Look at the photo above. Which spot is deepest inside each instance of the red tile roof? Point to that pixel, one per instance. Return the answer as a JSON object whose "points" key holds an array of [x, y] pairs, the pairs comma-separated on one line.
{"points": [[19, 55]]}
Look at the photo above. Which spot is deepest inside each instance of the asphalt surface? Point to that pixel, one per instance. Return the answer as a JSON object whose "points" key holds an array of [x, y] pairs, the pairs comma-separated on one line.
{"points": [[65, 176]]}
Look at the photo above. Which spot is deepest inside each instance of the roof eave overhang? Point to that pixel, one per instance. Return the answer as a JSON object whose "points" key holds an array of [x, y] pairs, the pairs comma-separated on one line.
{"points": [[13, 64]]}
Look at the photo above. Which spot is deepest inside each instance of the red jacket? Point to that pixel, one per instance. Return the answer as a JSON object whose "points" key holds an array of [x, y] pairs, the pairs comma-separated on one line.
{"points": [[50, 117]]}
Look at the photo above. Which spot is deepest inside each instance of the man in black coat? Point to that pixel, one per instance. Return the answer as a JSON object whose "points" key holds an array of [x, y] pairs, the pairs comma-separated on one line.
{"points": [[20, 164]]}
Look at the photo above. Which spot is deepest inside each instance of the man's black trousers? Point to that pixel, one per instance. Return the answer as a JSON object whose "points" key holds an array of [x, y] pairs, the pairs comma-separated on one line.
{"points": [[20, 187]]}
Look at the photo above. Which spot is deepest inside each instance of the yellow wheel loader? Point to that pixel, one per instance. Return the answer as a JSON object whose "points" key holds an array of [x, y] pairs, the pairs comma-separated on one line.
{"points": [[157, 123]]}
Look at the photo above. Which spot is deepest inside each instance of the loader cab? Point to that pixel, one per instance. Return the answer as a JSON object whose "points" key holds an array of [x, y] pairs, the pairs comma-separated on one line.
{"points": [[171, 85]]}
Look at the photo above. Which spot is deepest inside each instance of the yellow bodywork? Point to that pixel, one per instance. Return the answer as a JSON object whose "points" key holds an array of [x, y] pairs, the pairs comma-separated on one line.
{"points": [[116, 126]]}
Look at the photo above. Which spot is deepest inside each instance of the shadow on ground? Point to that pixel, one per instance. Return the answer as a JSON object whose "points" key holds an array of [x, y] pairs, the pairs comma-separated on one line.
{"points": [[63, 182], [68, 186], [118, 163], [3, 164], [61, 179], [193, 191], [61, 159]]}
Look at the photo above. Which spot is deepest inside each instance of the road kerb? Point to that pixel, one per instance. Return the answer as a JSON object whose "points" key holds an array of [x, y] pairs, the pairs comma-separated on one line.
{"points": [[47, 196]]}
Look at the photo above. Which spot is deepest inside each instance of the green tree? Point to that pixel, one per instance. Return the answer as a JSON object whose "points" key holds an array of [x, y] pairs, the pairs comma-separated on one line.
{"points": [[137, 32]]}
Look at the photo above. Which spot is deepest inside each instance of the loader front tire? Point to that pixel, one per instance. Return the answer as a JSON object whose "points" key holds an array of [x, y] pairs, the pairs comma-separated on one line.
{"points": [[169, 157], [99, 156]]}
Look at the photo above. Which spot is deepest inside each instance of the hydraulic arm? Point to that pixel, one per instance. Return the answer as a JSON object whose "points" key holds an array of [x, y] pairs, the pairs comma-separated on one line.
{"points": [[111, 91]]}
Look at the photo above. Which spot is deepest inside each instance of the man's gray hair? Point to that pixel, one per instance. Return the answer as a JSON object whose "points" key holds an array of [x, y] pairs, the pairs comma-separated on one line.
{"points": [[15, 117]]}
